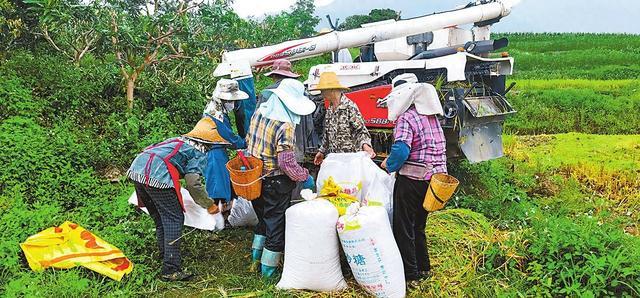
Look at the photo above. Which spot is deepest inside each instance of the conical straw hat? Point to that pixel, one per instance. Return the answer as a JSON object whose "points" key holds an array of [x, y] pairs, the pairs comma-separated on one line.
{"points": [[328, 80]]}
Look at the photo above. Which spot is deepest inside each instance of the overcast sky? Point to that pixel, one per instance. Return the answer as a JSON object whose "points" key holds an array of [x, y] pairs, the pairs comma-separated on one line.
{"points": [[612, 16]]}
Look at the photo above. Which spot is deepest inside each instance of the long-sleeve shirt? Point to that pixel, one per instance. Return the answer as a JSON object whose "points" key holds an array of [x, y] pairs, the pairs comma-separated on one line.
{"points": [[226, 132], [344, 129], [425, 138], [216, 174], [190, 161], [273, 142]]}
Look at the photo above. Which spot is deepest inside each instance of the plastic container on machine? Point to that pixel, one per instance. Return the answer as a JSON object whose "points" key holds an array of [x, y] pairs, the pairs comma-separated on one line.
{"points": [[371, 251]]}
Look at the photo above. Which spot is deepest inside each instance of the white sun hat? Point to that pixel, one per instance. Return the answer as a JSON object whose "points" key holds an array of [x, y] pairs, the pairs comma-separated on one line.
{"points": [[291, 93], [229, 90]]}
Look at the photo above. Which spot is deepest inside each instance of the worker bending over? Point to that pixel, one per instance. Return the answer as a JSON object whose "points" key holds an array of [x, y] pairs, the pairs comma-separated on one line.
{"points": [[156, 174], [217, 176]]}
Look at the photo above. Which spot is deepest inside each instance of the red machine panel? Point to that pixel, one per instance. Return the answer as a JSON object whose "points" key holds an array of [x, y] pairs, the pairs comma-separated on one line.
{"points": [[367, 102]]}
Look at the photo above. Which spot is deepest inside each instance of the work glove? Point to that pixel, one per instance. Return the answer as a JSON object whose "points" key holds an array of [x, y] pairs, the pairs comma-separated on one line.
{"points": [[213, 209], [310, 183]]}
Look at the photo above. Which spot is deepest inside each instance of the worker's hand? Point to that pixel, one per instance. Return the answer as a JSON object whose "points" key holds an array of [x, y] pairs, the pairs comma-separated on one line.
{"points": [[369, 150], [384, 163], [318, 159], [213, 209], [310, 183]]}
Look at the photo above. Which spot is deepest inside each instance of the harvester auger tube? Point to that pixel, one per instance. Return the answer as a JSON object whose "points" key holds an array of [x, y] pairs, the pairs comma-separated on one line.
{"points": [[475, 12]]}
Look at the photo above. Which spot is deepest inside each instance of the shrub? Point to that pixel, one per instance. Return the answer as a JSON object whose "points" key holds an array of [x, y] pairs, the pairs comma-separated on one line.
{"points": [[494, 190], [582, 258], [16, 98]]}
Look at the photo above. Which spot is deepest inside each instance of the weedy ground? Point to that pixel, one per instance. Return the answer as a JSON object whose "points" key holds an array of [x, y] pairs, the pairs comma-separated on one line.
{"points": [[557, 216]]}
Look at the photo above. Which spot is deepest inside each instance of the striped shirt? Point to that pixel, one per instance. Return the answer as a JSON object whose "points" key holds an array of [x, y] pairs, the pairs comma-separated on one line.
{"points": [[425, 138], [266, 138], [189, 159]]}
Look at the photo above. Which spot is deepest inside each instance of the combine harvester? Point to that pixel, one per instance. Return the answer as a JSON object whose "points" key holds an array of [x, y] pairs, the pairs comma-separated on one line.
{"points": [[455, 60]]}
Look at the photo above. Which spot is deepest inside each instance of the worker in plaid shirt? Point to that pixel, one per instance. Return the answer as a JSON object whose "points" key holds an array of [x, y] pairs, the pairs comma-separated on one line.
{"points": [[418, 152], [271, 138]]}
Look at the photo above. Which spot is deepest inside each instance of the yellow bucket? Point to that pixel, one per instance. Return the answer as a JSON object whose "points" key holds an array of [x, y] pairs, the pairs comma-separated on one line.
{"points": [[441, 188]]}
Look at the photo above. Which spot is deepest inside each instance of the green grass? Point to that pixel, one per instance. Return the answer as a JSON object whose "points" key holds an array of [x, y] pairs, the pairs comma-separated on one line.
{"points": [[614, 153], [556, 217], [574, 105], [584, 56], [583, 173]]}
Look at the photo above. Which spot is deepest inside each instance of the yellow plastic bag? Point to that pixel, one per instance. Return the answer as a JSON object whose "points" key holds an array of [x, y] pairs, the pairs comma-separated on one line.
{"points": [[69, 245], [333, 193]]}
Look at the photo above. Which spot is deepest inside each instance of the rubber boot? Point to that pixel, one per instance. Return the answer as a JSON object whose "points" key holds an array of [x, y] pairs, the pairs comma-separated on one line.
{"points": [[256, 252], [270, 261]]}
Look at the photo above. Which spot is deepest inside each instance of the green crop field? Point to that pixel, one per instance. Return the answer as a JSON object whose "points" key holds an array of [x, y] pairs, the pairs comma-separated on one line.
{"points": [[557, 216]]}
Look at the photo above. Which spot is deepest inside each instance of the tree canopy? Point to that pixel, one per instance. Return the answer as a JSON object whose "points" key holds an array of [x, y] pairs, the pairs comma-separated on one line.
{"points": [[375, 15]]}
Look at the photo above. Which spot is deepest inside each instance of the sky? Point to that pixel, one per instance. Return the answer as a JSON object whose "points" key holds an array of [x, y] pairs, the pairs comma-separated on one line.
{"points": [[601, 16]]}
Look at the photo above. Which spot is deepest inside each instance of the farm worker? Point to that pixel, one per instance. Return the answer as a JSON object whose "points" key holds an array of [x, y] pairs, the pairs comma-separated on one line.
{"points": [[244, 108], [417, 153], [280, 70], [156, 174], [344, 129], [217, 176], [271, 139]]}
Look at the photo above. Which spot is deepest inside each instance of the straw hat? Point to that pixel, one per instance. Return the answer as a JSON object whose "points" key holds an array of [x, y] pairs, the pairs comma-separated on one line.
{"points": [[282, 67], [206, 131], [229, 90], [291, 93], [328, 80]]}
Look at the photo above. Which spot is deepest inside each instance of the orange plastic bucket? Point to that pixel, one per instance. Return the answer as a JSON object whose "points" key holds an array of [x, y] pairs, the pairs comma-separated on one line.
{"points": [[246, 183], [441, 188]]}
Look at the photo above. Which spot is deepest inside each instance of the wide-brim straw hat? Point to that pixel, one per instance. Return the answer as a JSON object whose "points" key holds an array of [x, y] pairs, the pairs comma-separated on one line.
{"points": [[282, 67], [328, 81], [206, 131], [229, 90], [291, 92]]}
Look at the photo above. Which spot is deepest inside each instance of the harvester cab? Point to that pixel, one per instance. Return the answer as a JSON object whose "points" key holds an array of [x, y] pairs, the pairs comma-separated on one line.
{"points": [[457, 61]]}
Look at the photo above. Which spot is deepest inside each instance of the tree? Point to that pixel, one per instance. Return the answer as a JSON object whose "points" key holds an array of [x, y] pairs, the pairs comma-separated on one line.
{"points": [[375, 15], [16, 23], [68, 26], [303, 19], [146, 34]]}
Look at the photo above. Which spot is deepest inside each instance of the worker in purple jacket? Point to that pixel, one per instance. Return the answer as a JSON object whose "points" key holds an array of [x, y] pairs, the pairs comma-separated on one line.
{"points": [[418, 152]]}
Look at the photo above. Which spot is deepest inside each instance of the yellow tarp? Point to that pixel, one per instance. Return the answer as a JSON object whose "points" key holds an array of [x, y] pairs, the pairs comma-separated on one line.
{"points": [[70, 245]]}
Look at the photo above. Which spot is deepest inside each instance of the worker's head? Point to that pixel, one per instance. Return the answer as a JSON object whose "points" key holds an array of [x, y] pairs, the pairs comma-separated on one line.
{"points": [[332, 95], [330, 87], [224, 97], [292, 95], [281, 69]]}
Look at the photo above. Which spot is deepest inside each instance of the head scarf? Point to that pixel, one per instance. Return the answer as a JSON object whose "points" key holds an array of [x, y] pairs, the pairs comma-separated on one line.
{"points": [[407, 92], [275, 109], [215, 108]]}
